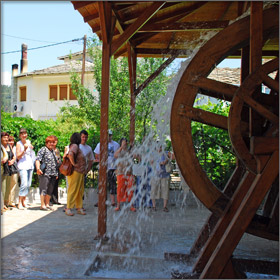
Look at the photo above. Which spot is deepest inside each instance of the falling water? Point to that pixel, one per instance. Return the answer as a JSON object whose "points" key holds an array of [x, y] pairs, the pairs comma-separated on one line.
{"points": [[137, 241]]}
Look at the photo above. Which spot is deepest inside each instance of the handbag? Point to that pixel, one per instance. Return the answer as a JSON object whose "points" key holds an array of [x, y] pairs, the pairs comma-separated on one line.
{"points": [[43, 164], [14, 168], [66, 168]]}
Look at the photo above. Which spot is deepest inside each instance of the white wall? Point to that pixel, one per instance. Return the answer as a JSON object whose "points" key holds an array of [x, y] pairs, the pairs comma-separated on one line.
{"points": [[37, 104]]}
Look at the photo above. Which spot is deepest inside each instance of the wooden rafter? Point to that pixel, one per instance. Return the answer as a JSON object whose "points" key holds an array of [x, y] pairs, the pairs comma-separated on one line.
{"points": [[184, 26], [133, 28], [154, 75], [133, 15], [82, 4], [91, 17]]}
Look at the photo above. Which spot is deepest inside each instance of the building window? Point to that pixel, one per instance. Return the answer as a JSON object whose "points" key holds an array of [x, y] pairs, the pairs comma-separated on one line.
{"points": [[53, 92], [61, 92], [72, 96], [22, 93]]}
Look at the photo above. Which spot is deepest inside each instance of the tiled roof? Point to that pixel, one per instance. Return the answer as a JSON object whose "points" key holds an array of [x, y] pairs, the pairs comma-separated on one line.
{"points": [[66, 67], [226, 75]]}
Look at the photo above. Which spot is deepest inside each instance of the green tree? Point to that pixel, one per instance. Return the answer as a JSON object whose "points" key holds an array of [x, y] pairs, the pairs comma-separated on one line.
{"points": [[87, 113], [213, 147]]}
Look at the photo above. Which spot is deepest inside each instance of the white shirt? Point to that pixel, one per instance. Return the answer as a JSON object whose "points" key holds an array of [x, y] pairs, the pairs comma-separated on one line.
{"points": [[26, 162], [87, 152], [112, 147]]}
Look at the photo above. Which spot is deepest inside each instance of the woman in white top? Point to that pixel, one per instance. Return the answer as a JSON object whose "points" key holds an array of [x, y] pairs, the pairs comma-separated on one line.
{"points": [[25, 155]]}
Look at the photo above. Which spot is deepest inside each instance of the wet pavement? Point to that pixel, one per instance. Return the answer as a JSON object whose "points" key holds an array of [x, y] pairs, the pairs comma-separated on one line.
{"points": [[40, 244]]}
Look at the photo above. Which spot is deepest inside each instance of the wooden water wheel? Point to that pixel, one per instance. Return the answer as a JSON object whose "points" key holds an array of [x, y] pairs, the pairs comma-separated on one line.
{"points": [[252, 125]]}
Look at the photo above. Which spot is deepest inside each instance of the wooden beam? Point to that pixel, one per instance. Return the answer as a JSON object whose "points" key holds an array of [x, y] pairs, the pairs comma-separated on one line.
{"points": [[256, 35], [165, 52], [263, 145], [154, 75], [245, 63], [205, 117], [241, 219], [257, 266], [223, 90], [224, 222], [105, 15], [134, 27], [81, 4], [105, 12], [179, 13], [184, 26], [132, 60], [91, 17]]}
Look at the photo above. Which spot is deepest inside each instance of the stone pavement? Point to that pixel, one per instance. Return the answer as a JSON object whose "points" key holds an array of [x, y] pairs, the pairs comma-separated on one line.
{"points": [[40, 244]]}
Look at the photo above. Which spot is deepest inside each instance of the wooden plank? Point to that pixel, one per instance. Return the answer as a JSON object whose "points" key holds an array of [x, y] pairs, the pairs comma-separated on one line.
{"points": [[264, 145], [257, 266], [179, 13], [184, 26], [82, 4], [132, 60], [154, 75], [262, 110], [229, 272], [91, 17], [222, 90], [106, 28], [102, 185], [134, 27], [256, 42], [245, 63], [256, 35], [177, 52], [269, 82], [205, 117], [241, 219], [105, 14], [224, 222]]}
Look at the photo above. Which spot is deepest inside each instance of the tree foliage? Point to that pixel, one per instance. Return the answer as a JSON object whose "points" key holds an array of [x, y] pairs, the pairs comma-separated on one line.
{"points": [[213, 147], [87, 113]]}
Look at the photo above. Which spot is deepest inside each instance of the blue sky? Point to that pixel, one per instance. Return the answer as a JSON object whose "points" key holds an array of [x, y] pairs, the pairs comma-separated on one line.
{"points": [[44, 23], [40, 23]]}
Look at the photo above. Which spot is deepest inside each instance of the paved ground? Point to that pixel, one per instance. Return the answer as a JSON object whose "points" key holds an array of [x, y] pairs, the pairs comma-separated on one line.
{"points": [[39, 244]]}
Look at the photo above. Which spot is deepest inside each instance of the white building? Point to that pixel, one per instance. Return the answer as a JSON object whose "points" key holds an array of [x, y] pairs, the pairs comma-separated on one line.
{"points": [[41, 93]]}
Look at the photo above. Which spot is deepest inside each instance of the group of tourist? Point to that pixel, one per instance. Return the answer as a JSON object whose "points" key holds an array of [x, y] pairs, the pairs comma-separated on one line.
{"points": [[17, 166]]}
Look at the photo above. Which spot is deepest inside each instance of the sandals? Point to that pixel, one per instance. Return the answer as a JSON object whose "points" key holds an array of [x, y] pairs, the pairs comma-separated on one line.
{"points": [[165, 209], [68, 212], [81, 212], [154, 209]]}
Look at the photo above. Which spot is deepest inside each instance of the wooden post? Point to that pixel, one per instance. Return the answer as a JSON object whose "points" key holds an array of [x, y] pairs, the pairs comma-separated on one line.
{"points": [[132, 60], [105, 12], [256, 43], [84, 60]]}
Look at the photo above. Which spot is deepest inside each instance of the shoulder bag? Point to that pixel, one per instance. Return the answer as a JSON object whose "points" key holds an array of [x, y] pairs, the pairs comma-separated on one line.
{"points": [[66, 168]]}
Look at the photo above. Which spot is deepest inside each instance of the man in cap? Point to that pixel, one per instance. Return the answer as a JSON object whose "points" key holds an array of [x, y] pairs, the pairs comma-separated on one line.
{"points": [[111, 176]]}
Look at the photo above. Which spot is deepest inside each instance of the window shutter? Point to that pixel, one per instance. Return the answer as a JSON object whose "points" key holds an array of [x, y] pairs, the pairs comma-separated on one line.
{"points": [[53, 92], [22, 93], [72, 95], [63, 92]]}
